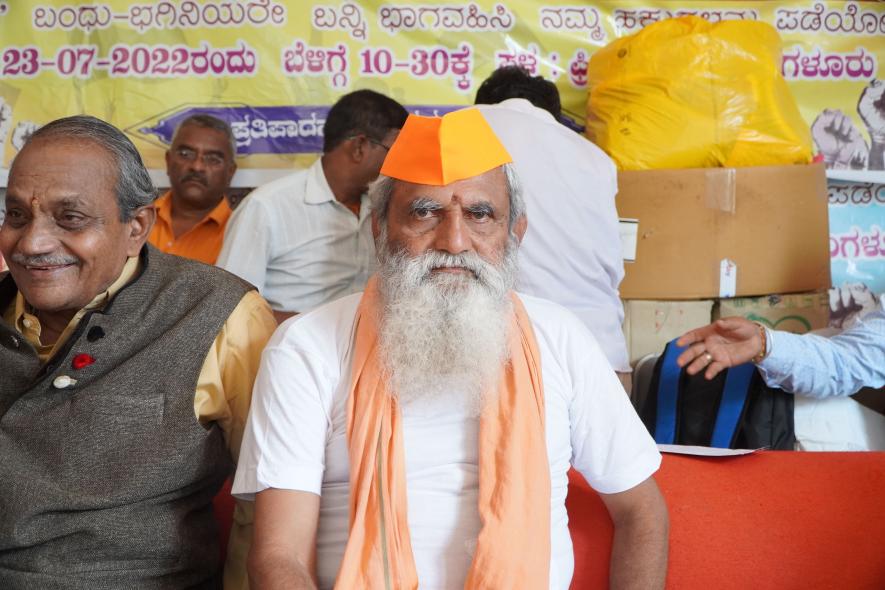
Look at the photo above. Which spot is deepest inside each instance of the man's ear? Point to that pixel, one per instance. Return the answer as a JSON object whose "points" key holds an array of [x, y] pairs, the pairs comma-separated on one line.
{"points": [[230, 174], [358, 146], [140, 228], [519, 228]]}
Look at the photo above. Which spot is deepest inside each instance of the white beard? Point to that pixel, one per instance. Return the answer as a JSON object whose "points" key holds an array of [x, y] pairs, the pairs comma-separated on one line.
{"points": [[445, 333]]}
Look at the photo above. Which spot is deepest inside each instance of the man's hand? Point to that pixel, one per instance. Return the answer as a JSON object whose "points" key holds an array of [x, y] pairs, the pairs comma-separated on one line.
{"points": [[871, 108], [720, 345], [848, 302], [839, 141], [22, 132]]}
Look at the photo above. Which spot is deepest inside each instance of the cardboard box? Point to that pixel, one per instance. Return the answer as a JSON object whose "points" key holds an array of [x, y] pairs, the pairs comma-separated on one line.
{"points": [[725, 232], [650, 325], [798, 313]]}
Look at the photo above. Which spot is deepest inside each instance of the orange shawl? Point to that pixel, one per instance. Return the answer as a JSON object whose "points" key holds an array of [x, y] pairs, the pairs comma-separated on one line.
{"points": [[513, 548]]}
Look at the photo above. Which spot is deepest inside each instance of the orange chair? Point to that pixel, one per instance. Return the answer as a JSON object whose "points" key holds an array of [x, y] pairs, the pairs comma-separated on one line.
{"points": [[772, 520], [766, 521]]}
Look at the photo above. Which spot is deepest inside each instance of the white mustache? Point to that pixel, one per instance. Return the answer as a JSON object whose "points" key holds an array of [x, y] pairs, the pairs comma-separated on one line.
{"points": [[471, 261], [43, 260]]}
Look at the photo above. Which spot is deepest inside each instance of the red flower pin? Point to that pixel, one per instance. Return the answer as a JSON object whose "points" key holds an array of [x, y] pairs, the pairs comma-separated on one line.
{"points": [[82, 360]]}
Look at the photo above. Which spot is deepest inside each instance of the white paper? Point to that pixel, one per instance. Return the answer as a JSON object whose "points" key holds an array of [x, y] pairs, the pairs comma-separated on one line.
{"points": [[629, 230], [704, 451], [727, 278]]}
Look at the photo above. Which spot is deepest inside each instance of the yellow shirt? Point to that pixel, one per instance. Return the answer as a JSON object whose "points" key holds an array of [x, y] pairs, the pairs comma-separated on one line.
{"points": [[224, 387], [201, 242]]}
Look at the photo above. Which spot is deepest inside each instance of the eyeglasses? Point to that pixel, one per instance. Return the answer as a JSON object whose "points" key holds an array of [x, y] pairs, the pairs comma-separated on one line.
{"points": [[211, 160], [378, 143]]}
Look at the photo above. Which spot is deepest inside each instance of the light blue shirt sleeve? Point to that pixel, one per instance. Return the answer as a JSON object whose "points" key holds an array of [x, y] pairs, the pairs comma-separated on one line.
{"points": [[821, 367]]}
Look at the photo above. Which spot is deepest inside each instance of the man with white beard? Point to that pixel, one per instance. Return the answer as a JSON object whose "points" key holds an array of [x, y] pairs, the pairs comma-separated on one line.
{"points": [[420, 433]]}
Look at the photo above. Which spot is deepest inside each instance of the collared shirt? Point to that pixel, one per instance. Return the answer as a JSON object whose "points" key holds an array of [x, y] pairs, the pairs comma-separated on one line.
{"points": [[571, 253], [201, 242], [296, 439], [18, 314], [301, 247], [820, 367], [224, 386]]}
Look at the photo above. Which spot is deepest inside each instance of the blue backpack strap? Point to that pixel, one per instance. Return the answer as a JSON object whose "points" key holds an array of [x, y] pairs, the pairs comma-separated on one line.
{"points": [[734, 396], [668, 394]]}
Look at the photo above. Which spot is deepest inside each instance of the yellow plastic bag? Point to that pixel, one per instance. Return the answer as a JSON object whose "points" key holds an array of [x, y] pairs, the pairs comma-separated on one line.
{"points": [[685, 93]]}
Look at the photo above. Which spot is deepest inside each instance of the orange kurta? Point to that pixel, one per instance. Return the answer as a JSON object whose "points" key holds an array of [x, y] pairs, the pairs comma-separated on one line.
{"points": [[201, 242]]}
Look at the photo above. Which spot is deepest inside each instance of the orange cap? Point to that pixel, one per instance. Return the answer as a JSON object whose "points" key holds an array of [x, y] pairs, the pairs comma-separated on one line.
{"points": [[441, 150]]}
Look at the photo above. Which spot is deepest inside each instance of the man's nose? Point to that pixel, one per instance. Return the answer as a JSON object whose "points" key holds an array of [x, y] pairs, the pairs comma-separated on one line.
{"points": [[37, 237], [197, 164], [451, 234]]}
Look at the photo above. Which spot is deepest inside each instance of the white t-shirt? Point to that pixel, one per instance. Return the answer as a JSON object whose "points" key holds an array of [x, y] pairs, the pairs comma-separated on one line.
{"points": [[571, 253], [295, 439], [297, 244]]}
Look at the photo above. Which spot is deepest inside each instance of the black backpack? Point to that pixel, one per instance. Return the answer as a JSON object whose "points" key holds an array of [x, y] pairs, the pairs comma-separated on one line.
{"points": [[736, 409]]}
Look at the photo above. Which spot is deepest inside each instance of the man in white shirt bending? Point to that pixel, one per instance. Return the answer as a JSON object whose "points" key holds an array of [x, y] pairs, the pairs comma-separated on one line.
{"points": [[572, 250]]}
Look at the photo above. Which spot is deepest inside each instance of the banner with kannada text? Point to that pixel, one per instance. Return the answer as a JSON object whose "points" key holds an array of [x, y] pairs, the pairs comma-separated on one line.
{"points": [[273, 67], [857, 244]]}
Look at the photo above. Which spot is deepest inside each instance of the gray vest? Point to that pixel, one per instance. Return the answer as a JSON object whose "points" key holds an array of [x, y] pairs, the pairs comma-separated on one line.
{"points": [[109, 483]]}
